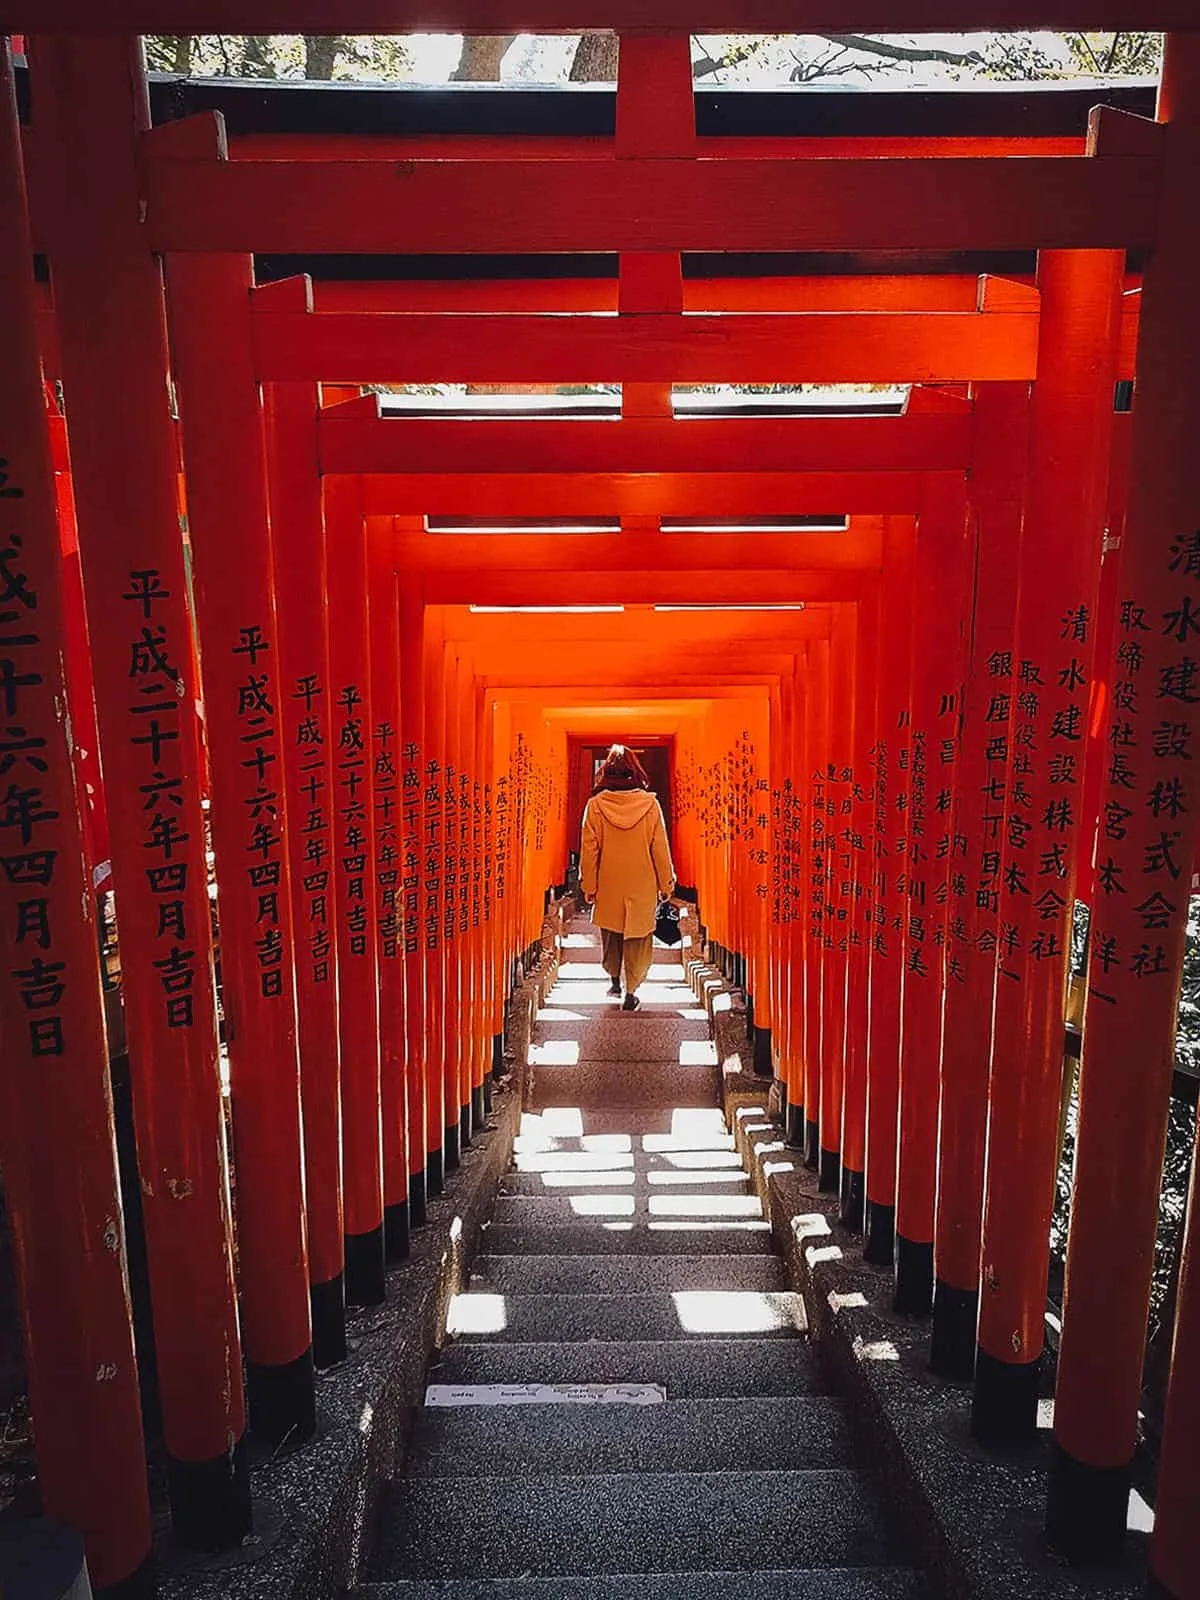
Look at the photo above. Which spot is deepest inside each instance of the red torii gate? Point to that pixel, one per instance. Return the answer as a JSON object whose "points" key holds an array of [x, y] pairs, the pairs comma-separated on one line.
{"points": [[827, 711]]}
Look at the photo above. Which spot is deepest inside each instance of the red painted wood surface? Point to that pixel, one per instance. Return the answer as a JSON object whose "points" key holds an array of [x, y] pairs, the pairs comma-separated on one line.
{"points": [[1069, 450], [747, 203], [56, 1128], [235, 616], [354, 880], [307, 733], [123, 461]]}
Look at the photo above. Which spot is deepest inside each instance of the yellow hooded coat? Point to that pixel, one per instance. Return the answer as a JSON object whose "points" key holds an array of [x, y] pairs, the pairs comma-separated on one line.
{"points": [[625, 860]]}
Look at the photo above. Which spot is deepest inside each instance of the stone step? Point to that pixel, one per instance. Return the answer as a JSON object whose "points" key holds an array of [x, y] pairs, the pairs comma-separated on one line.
{"points": [[628, 1180], [546, 1525], [629, 1078], [669, 1236], [567, 1125], [522, 1275], [612, 1206], [688, 1369], [690, 1313], [721, 1435], [618, 1157], [607, 1035], [841, 1583]]}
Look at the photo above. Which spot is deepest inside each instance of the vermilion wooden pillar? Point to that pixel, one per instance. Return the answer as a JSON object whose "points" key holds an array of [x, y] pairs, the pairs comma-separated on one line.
{"points": [[1062, 534], [124, 464], [855, 833], [839, 899], [1149, 807], [235, 613], [938, 662], [443, 1081], [816, 752], [306, 730], [424, 1125], [457, 991], [386, 757], [354, 881], [889, 779], [56, 1130], [797, 928], [997, 487]]}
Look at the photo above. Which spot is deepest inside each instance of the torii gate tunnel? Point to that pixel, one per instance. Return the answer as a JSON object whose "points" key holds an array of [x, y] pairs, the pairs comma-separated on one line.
{"points": [[928, 674]]}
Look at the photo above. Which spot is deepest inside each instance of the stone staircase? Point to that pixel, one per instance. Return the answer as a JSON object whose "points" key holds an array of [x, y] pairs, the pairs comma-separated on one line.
{"points": [[628, 1404]]}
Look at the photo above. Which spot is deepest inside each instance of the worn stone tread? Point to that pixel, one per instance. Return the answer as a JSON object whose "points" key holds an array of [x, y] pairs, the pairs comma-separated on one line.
{"points": [[633, 1274], [634, 1081], [546, 1525], [690, 1369], [603, 1206], [687, 1237], [744, 1435], [842, 1583], [729, 1180], [701, 1313]]}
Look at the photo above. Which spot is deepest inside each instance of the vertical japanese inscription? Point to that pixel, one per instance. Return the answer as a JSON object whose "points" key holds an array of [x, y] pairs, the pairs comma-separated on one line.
{"points": [[41, 978], [264, 842], [156, 688]]}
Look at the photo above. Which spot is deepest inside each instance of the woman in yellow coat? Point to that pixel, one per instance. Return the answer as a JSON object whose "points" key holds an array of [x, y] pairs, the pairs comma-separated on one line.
{"points": [[625, 868]]}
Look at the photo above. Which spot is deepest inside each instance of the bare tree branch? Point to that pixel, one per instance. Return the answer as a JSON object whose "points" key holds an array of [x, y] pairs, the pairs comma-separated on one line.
{"points": [[901, 52]]}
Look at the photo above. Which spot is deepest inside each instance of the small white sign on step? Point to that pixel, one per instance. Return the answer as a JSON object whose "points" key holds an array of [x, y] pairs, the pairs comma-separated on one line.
{"points": [[545, 1394]]}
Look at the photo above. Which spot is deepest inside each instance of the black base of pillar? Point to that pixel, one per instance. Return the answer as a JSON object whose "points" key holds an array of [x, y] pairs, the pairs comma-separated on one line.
{"points": [[281, 1401], [418, 1215], [1086, 1509], [397, 1235], [1156, 1589], [365, 1263], [739, 972], [1004, 1406], [914, 1277], [488, 1095], [466, 1124], [783, 1104], [852, 1197], [141, 1584], [435, 1172], [879, 1234], [764, 1066], [955, 1318], [795, 1127], [829, 1171], [497, 1055], [812, 1144], [480, 1096], [451, 1146], [750, 1022], [327, 1302], [210, 1500]]}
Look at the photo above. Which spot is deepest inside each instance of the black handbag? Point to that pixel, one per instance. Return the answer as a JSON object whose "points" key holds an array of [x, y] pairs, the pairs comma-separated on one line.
{"points": [[666, 924]]}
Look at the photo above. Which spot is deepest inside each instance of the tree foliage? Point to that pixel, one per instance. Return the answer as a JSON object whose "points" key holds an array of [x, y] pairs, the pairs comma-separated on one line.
{"points": [[745, 59]]}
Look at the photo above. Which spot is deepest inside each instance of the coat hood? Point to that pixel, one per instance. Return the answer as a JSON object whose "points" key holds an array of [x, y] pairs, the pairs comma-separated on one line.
{"points": [[623, 808]]}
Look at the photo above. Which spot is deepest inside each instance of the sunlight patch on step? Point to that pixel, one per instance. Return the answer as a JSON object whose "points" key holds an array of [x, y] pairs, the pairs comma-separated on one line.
{"points": [[442, 1395], [555, 1053], [477, 1313], [587, 1180], [724, 1225], [737, 1311], [576, 1160], [701, 1159], [603, 1205], [875, 1349], [700, 1205], [697, 1053]]}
